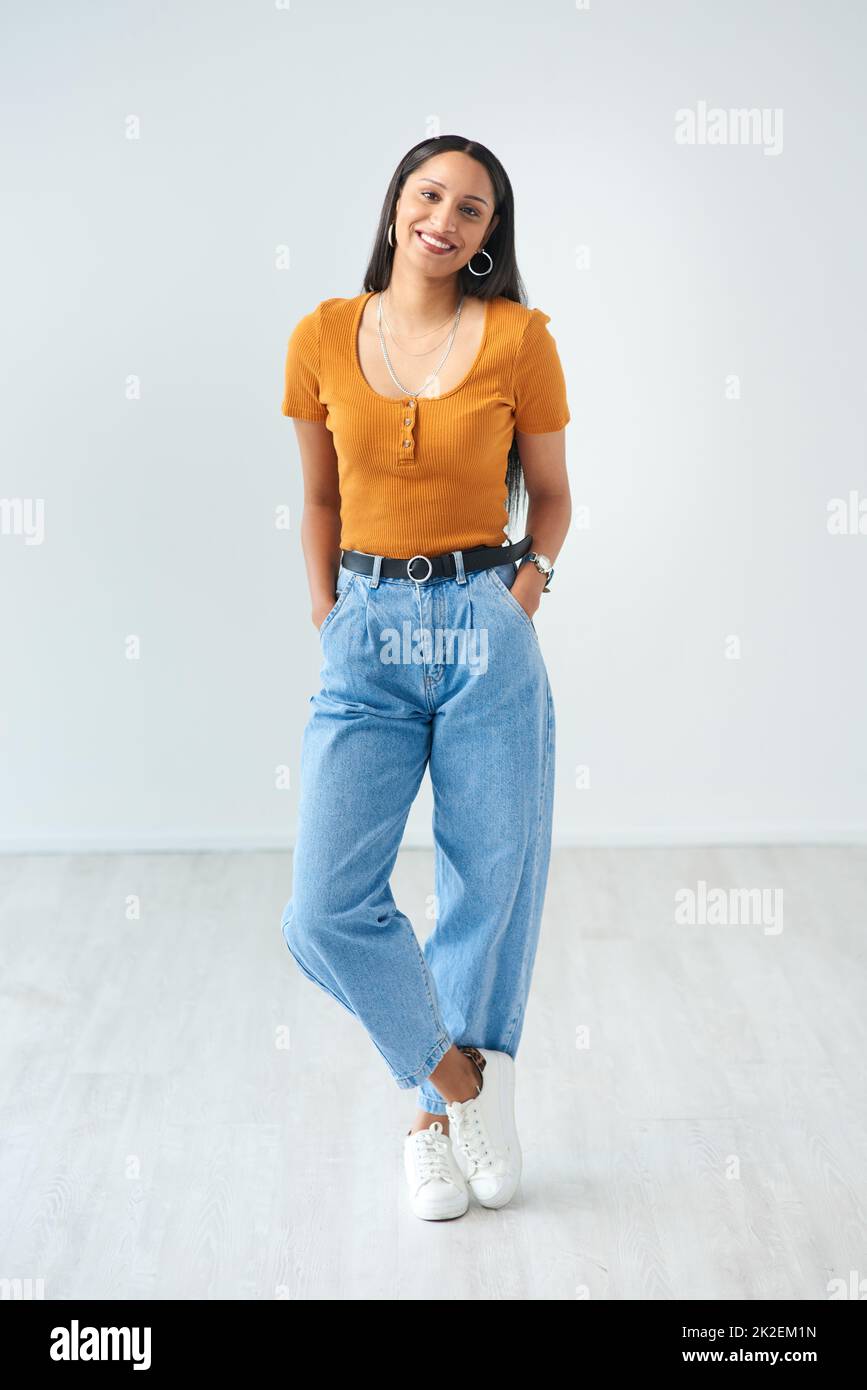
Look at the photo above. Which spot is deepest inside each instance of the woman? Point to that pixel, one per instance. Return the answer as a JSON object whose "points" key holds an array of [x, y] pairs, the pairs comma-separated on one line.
{"points": [[421, 407]]}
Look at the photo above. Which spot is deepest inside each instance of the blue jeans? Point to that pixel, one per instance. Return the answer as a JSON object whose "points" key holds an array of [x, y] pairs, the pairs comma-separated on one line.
{"points": [[446, 675]]}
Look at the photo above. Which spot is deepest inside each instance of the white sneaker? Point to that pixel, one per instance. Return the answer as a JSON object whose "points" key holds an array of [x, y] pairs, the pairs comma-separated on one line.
{"points": [[437, 1187], [483, 1130]]}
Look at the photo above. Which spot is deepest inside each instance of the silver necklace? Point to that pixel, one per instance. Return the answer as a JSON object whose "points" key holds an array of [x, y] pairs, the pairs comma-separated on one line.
{"points": [[414, 337], [391, 372]]}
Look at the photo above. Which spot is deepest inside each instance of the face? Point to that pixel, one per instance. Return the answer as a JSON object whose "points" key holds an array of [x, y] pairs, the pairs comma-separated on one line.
{"points": [[449, 198]]}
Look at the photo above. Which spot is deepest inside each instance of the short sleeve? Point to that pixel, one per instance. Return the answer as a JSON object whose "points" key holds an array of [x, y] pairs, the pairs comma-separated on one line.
{"points": [[301, 376], [538, 383]]}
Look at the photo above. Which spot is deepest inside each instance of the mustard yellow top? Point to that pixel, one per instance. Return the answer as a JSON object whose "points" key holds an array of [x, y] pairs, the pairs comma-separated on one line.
{"points": [[425, 475]]}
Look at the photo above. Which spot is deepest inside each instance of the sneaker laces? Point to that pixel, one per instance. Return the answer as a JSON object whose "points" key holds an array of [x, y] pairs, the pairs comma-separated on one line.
{"points": [[431, 1152], [471, 1137]]}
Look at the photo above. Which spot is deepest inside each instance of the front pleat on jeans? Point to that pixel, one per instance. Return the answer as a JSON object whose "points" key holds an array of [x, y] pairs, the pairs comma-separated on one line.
{"points": [[369, 597]]}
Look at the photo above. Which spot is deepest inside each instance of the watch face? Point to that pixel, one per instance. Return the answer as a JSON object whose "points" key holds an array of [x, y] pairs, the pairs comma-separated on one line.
{"points": [[544, 562]]}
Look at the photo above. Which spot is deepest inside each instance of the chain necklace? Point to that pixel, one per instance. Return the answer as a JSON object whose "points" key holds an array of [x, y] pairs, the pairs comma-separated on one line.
{"points": [[391, 372], [427, 352], [416, 337]]}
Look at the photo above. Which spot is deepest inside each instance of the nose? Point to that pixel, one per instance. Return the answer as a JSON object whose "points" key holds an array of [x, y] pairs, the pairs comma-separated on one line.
{"points": [[447, 222]]}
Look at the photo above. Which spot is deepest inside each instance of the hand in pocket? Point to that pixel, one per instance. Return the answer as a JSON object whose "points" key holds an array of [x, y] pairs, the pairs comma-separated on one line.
{"points": [[320, 613]]}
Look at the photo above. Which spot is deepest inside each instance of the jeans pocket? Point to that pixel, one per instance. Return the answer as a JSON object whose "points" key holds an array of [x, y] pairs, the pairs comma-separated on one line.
{"points": [[341, 598], [504, 590]]}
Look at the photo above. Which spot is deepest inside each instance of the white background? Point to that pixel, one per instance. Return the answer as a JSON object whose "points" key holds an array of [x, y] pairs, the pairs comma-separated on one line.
{"points": [[266, 129]]}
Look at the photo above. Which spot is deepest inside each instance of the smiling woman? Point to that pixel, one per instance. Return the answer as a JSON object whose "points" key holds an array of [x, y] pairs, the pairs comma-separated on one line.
{"points": [[409, 400]]}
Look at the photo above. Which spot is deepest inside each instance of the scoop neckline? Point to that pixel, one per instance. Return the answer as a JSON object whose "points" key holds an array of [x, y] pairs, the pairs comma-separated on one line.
{"points": [[401, 400]]}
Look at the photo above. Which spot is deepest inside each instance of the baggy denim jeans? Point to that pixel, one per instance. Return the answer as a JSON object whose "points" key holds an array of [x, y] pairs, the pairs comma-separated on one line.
{"points": [[446, 674]]}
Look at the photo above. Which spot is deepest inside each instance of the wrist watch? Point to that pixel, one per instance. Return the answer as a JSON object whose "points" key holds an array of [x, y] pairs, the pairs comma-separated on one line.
{"points": [[543, 565]]}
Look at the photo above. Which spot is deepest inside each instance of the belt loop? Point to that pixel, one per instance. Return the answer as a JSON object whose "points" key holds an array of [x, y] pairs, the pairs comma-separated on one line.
{"points": [[377, 566], [459, 566]]}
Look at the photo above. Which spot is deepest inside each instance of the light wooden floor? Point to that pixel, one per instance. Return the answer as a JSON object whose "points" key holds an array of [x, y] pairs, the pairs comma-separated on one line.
{"points": [[183, 1115]]}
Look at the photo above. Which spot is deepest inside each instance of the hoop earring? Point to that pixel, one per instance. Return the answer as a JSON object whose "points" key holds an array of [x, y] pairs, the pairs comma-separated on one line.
{"points": [[390, 230], [481, 252]]}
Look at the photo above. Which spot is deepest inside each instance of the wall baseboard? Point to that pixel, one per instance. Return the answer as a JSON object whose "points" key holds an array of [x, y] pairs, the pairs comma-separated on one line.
{"points": [[602, 837]]}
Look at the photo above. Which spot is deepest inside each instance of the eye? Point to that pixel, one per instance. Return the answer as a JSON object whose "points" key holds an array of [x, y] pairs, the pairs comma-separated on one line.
{"points": [[466, 208]]}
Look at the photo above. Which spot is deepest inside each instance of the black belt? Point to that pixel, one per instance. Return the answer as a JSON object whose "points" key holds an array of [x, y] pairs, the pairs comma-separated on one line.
{"points": [[481, 557]]}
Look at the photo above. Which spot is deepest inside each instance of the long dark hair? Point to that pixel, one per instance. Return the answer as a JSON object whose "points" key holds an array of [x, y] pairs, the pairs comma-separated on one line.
{"points": [[504, 279]]}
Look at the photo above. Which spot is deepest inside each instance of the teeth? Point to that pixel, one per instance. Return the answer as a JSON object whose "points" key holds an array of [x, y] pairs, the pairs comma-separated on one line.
{"points": [[446, 245]]}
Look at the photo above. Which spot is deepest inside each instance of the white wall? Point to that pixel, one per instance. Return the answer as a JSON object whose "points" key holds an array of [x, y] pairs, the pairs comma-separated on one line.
{"points": [[158, 258]]}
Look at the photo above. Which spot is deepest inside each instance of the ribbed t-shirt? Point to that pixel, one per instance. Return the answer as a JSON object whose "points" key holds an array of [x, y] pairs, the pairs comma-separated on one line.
{"points": [[425, 475]]}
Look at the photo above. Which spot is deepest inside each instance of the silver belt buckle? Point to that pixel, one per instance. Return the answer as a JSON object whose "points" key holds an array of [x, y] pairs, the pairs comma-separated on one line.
{"points": [[429, 568]]}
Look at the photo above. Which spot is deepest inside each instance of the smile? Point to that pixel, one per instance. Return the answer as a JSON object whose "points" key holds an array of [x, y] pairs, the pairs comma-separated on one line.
{"points": [[435, 243]]}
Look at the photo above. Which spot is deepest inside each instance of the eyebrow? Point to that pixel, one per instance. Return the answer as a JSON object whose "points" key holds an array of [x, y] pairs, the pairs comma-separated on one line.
{"points": [[471, 197]]}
